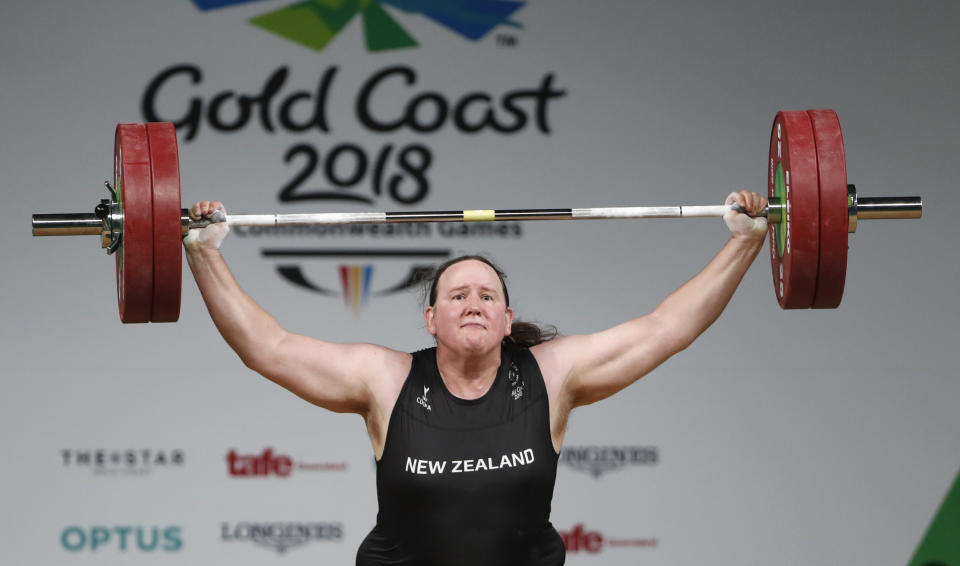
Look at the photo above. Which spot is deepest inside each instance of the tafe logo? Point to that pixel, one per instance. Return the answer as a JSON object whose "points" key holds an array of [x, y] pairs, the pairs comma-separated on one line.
{"points": [[579, 539], [315, 23], [269, 464], [265, 464]]}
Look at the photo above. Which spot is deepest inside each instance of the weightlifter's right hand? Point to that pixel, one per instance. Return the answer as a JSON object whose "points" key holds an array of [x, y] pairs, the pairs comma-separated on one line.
{"points": [[209, 237]]}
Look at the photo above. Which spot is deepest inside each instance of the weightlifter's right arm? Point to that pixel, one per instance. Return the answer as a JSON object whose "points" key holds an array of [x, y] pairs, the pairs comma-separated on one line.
{"points": [[339, 377]]}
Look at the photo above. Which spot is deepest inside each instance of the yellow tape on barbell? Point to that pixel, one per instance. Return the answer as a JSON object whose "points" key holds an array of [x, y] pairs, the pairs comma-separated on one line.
{"points": [[479, 215]]}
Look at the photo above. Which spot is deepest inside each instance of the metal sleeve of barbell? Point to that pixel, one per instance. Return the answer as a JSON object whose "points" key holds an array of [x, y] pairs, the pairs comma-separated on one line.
{"points": [[78, 224], [479, 215]]}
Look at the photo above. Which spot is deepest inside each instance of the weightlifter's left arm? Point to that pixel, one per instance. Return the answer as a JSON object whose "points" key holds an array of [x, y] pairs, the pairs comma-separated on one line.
{"points": [[584, 369]]}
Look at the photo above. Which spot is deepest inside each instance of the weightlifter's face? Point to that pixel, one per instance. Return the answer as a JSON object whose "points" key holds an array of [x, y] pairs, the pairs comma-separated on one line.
{"points": [[470, 314]]}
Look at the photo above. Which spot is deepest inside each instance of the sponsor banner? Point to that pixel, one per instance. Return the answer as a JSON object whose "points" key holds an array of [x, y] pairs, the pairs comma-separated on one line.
{"points": [[267, 464], [122, 462], [598, 460], [281, 536], [580, 540], [133, 539]]}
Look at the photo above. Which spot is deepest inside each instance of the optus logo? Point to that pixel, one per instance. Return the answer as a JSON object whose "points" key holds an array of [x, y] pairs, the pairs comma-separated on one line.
{"points": [[315, 23], [122, 538]]}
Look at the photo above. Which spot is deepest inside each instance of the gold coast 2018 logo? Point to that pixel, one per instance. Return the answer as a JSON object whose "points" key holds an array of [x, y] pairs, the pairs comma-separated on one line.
{"points": [[315, 23], [398, 108]]}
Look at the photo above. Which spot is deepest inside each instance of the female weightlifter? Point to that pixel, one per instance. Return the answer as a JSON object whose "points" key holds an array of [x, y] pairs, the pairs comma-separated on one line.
{"points": [[467, 434]]}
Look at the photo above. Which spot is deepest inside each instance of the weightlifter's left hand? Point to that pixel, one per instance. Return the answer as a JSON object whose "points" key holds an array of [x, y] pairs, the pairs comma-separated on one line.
{"points": [[746, 225]]}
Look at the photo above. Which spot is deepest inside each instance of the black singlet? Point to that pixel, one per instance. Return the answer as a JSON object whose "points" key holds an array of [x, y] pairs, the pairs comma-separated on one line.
{"points": [[467, 482]]}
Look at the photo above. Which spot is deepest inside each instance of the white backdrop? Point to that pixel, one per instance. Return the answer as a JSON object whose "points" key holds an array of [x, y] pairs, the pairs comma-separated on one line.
{"points": [[803, 437]]}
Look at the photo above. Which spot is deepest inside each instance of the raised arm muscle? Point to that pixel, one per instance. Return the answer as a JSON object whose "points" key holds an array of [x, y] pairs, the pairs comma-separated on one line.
{"points": [[339, 377]]}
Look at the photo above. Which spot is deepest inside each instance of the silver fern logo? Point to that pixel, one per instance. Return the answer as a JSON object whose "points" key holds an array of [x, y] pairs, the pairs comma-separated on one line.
{"points": [[517, 385]]}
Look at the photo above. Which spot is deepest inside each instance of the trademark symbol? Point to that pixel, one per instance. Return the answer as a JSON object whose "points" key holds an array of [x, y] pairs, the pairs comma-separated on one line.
{"points": [[504, 40]]}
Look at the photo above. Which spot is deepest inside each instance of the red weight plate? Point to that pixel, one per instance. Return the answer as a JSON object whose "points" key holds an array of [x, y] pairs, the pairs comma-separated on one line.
{"points": [[131, 173], [794, 242], [834, 219], [167, 257]]}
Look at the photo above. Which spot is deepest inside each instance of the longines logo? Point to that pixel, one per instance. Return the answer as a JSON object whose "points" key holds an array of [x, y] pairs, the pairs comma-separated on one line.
{"points": [[281, 536], [598, 460], [129, 462], [269, 464]]}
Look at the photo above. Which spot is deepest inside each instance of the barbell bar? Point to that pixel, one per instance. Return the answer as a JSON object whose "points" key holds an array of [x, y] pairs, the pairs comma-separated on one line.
{"points": [[92, 224], [811, 211]]}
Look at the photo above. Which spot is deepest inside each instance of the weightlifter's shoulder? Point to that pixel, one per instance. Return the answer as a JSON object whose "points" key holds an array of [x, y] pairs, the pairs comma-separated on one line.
{"points": [[343, 377], [384, 372], [371, 361], [383, 369], [390, 364]]}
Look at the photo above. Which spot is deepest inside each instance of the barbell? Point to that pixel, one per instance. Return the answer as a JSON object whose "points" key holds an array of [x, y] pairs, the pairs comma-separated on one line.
{"points": [[811, 211]]}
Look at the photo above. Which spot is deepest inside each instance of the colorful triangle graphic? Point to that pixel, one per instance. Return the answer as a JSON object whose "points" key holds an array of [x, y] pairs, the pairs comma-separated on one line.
{"points": [[941, 544], [315, 23]]}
